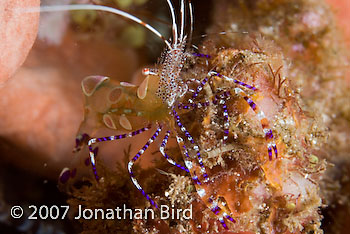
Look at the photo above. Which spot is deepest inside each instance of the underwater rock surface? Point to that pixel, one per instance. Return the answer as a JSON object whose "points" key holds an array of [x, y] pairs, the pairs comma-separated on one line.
{"points": [[296, 58]]}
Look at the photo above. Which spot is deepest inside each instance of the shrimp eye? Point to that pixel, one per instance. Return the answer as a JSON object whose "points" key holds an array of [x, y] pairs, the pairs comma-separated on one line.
{"points": [[145, 71]]}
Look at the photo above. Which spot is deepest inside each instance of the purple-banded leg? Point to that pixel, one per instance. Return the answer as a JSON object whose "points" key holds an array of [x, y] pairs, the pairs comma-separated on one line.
{"points": [[200, 191], [195, 147], [93, 151], [221, 219], [269, 150], [201, 55], [221, 100], [190, 106], [263, 120], [134, 159], [214, 73], [215, 208], [192, 80], [199, 89], [170, 160], [93, 154], [188, 161], [226, 120]]}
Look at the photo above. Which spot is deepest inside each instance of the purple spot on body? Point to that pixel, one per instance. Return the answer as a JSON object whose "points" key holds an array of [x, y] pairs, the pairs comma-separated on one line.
{"points": [[65, 176]]}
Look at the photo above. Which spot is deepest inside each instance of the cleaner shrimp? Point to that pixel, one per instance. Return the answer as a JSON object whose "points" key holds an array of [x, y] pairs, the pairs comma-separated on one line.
{"points": [[161, 99]]}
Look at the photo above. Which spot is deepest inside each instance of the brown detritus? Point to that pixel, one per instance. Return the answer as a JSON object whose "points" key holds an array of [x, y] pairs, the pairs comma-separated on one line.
{"points": [[313, 75], [113, 190], [279, 196], [263, 196], [296, 83]]}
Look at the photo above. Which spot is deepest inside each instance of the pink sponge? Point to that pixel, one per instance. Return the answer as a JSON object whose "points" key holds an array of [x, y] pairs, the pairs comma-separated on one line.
{"points": [[18, 31]]}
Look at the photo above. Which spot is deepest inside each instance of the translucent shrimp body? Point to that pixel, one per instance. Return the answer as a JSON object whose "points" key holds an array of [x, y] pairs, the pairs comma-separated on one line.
{"points": [[169, 72]]}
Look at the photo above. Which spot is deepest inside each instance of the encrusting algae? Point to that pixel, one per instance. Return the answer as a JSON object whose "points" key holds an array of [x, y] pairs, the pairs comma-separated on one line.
{"points": [[292, 58]]}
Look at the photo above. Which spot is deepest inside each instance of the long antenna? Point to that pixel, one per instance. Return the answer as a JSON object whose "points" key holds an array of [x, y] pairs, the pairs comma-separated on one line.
{"points": [[174, 26], [182, 19], [97, 8], [191, 20]]}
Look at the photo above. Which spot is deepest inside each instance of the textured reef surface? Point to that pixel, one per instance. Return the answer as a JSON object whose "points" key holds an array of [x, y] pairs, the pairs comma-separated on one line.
{"points": [[276, 152], [292, 55]]}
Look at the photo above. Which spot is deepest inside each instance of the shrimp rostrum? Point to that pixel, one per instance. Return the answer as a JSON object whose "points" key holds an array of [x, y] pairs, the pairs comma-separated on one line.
{"points": [[161, 100]]}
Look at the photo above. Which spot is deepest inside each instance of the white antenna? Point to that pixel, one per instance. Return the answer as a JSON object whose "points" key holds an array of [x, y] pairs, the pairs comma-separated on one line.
{"points": [[174, 26], [182, 19], [191, 19], [97, 8]]}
